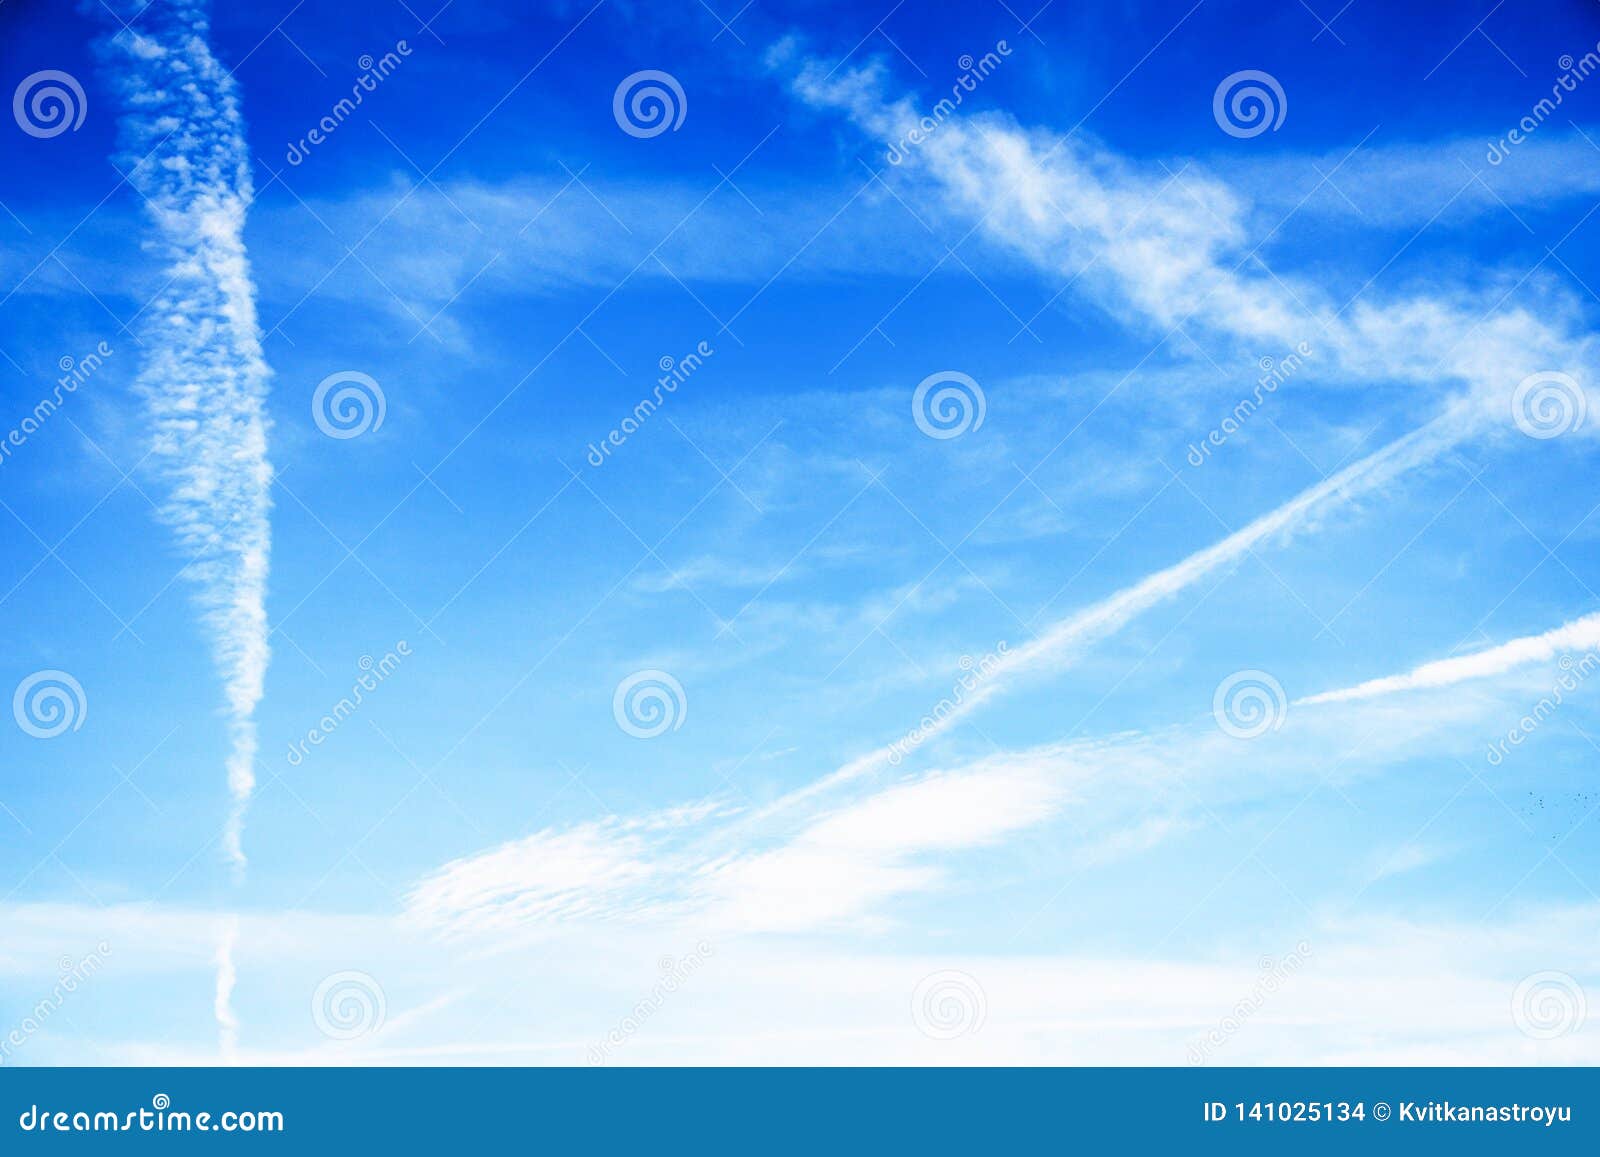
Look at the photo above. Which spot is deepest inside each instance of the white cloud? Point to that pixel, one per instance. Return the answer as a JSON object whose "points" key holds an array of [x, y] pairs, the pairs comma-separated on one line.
{"points": [[1170, 248], [848, 861], [735, 874], [594, 870], [1371, 990], [839, 866]]}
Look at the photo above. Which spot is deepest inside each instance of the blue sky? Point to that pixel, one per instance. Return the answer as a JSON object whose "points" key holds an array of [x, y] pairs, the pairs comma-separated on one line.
{"points": [[1373, 313]]}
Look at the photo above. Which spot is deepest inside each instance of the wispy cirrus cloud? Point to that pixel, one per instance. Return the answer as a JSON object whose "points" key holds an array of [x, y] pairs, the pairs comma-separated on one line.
{"points": [[1168, 251], [1164, 251], [822, 864], [1170, 248], [732, 871], [591, 871]]}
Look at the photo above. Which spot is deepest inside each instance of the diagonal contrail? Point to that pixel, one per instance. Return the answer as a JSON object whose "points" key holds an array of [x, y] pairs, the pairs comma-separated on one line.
{"points": [[1581, 635], [1065, 639]]}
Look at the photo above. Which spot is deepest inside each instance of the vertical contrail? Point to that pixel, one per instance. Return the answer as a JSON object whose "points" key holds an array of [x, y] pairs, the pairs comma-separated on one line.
{"points": [[227, 977], [203, 378]]}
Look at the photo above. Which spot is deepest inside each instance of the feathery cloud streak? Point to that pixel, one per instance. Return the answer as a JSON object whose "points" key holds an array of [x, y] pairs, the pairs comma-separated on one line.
{"points": [[1169, 250], [1165, 250], [1169, 247], [839, 864]]}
